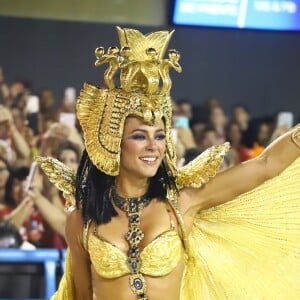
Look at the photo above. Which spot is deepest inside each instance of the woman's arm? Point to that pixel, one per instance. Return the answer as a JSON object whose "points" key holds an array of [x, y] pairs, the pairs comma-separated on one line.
{"points": [[53, 215], [20, 214], [81, 271], [18, 141], [229, 184]]}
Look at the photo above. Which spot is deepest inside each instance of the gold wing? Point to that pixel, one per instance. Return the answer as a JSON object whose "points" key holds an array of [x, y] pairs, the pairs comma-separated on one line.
{"points": [[202, 168], [60, 175], [248, 248]]}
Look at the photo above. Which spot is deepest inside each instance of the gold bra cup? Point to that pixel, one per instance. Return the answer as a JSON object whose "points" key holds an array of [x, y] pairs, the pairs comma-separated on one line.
{"points": [[158, 258]]}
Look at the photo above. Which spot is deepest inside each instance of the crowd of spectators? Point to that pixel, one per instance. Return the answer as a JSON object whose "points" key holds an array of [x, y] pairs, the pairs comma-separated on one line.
{"points": [[30, 125], [33, 215]]}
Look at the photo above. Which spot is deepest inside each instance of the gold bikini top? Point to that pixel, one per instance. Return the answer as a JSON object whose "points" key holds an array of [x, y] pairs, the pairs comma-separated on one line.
{"points": [[159, 257]]}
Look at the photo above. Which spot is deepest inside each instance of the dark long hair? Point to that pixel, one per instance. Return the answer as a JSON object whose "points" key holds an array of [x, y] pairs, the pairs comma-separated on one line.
{"points": [[93, 186], [16, 173], [8, 200]]}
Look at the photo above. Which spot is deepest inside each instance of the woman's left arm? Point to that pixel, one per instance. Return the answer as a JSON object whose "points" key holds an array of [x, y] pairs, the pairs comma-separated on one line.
{"points": [[230, 183]]}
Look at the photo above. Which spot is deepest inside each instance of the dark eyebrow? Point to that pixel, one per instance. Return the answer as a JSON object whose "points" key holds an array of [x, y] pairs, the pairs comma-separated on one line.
{"points": [[145, 131]]}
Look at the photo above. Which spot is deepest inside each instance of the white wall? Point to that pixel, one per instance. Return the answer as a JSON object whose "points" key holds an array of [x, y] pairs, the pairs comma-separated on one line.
{"points": [[141, 12]]}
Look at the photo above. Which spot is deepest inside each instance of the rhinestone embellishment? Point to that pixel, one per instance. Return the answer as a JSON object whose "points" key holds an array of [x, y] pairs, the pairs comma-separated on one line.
{"points": [[133, 207]]}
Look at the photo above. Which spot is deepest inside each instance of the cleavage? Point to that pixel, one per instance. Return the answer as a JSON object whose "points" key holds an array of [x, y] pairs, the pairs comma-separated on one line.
{"points": [[123, 245], [124, 252]]}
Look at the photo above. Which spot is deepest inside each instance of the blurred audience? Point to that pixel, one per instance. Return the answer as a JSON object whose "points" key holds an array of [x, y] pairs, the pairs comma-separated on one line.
{"points": [[218, 120], [9, 236], [17, 149], [33, 213], [185, 109], [181, 133], [241, 116], [52, 204], [238, 150], [258, 135], [208, 137]]}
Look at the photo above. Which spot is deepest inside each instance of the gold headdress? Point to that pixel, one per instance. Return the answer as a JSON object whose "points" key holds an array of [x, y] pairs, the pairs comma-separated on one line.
{"points": [[144, 92]]}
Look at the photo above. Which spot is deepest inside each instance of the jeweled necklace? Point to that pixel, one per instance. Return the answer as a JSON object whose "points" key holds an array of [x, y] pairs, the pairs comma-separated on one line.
{"points": [[133, 208]]}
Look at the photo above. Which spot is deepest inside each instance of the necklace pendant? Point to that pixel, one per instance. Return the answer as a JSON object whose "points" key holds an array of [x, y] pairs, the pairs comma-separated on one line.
{"points": [[138, 285], [133, 207], [134, 236]]}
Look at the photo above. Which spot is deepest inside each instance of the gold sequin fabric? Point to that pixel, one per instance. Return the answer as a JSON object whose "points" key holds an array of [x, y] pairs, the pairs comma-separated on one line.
{"points": [[158, 258], [248, 248]]}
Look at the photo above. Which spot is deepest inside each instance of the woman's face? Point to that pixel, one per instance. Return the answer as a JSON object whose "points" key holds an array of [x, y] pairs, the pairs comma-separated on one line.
{"points": [[240, 114], [69, 157], [234, 134], [4, 174], [217, 116], [142, 148], [263, 135]]}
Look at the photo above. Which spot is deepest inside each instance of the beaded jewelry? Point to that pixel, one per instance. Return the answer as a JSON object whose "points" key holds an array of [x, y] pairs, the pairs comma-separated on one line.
{"points": [[133, 208]]}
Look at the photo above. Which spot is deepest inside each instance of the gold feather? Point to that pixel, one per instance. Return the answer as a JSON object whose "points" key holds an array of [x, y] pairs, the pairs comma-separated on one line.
{"points": [[60, 175], [202, 168]]}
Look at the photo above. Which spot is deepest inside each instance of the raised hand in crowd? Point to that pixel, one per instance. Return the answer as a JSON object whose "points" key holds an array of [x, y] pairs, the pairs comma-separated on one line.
{"points": [[57, 133], [19, 149], [54, 216]]}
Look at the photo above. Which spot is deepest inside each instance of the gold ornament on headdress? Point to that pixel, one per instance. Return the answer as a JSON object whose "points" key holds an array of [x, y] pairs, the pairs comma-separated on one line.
{"points": [[144, 92]]}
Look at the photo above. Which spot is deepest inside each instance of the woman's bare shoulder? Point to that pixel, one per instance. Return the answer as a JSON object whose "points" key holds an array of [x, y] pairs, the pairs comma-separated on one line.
{"points": [[74, 223]]}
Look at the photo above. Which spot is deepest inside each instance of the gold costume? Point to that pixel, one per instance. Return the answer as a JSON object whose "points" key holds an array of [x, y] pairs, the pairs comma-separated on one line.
{"points": [[111, 262], [248, 248], [245, 249]]}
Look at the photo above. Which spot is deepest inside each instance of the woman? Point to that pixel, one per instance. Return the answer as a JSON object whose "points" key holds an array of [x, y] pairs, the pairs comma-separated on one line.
{"points": [[13, 210], [17, 150], [53, 210], [234, 135], [141, 229]]}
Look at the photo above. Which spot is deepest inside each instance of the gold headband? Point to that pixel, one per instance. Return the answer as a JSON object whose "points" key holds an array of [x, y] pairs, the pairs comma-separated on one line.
{"points": [[144, 92]]}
